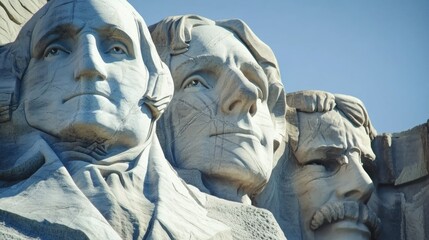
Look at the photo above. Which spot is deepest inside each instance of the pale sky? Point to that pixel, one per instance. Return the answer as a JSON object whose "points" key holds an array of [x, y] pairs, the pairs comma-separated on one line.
{"points": [[377, 51]]}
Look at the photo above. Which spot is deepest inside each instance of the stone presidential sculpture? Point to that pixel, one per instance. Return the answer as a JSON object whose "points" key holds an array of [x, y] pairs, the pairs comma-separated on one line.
{"points": [[82, 90], [227, 115], [322, 175], [14, 14], [228, 106], [79, 157]]}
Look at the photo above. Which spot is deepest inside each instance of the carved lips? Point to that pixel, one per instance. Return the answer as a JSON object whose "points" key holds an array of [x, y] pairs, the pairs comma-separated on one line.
{"points": [[241, 133], [87, 93]]}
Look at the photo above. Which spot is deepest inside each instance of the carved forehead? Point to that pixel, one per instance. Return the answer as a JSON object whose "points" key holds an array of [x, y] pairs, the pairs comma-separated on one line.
{"points": [[212, 47], [321, 129], [214, 42], [80, 13], [319, 132], [209, 37]]}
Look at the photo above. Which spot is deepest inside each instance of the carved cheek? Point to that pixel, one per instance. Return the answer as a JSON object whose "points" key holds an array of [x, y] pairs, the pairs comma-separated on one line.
{"points": [[35, 80], [313, 185], [192, 107]]}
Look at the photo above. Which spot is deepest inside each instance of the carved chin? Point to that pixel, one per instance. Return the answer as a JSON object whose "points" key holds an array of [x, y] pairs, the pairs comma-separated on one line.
{"points": [[88, 132], [247, 164], [84, 126], [345, 229]]}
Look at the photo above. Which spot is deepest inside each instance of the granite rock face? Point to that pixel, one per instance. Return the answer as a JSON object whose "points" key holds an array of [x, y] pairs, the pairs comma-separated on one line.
{"points": [[183, 130], [79, 155], [402, 180]]}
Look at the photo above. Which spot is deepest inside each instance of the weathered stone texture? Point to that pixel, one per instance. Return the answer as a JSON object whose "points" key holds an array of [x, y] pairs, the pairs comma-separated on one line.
{"points": [[402, 179], [14, 14]]}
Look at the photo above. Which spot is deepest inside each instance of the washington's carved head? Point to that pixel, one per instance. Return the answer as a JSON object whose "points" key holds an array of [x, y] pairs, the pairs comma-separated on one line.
{"points": [[89, 73], [228, 99]]}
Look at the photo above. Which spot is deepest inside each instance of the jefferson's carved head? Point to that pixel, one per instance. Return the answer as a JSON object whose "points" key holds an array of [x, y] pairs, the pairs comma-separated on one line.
{"points": [[88, 70], [330, 181], [228, 106]]}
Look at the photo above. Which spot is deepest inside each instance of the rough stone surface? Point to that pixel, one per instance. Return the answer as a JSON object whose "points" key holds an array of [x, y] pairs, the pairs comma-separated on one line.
{"points": [[13, 15], [402, 179], [79, 157]]}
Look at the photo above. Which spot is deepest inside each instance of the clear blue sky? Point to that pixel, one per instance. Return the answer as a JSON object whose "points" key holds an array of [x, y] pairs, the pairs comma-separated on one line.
{"points": [[377, 51]]}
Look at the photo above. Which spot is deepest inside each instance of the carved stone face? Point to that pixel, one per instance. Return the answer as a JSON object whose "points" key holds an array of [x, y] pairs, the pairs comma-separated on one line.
{"points": [[330, 182], [219, 113], [86, 75]]}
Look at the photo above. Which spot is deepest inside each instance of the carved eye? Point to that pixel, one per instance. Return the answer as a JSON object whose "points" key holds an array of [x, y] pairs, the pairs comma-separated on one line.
{"points": [[118, 49], [330, 165], [53, 51], [195, 81]]}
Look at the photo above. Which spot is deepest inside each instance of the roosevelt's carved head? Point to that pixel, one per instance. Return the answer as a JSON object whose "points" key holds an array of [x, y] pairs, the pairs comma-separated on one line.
{"points": [[89, 71], [329, 179], [228, 99]]}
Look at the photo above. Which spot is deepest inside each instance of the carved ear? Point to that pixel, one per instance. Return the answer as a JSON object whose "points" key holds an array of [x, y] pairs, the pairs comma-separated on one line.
{"points": [[8, 83], [14, 59], [160, 86], [159, 92]]}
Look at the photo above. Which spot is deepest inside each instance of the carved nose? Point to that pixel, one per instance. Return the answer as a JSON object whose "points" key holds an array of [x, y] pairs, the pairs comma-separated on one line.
{"points": [[89, 62], [356, 184], [239, 94]]}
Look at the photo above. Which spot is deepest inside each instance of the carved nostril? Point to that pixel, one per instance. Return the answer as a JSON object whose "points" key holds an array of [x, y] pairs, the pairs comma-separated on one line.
{"points": [[241, 94], [242, 106], [233, 105], [91, 74], [354, 194], [252, 110]]}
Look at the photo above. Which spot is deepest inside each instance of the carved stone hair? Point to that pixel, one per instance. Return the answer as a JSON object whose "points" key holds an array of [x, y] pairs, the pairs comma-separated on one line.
{"points": [[15, 57], [173, 36], [355, 111]]}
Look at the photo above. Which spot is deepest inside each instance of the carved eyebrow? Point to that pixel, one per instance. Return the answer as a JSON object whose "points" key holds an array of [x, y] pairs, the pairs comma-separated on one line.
{"points": [[322, 153], [111, 31], [193, 64], [63, 31]]}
